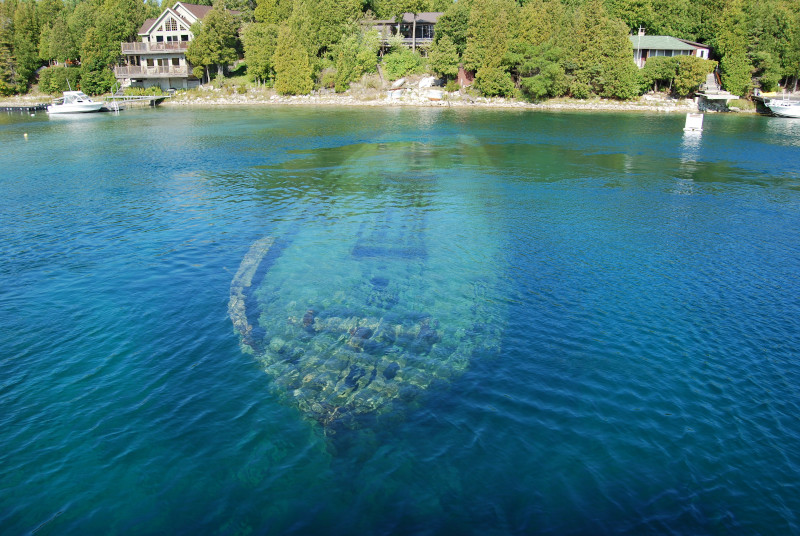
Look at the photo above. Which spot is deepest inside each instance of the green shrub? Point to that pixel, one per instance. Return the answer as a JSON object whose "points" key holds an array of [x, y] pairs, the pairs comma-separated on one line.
{"points": [[580, 90], [402, 62], [494, 81], [53, 80], [742, 104], [328, 78], [142, 91], [452, 85], [97, 82], [691, 73]]}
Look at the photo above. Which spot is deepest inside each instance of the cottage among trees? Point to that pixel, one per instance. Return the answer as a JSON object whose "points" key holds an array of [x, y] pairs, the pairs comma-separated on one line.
{"points": [[160, 58], [648, 46]]}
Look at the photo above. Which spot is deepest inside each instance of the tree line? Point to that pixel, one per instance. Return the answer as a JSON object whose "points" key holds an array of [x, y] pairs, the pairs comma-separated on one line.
{"points": [[530, 48]]}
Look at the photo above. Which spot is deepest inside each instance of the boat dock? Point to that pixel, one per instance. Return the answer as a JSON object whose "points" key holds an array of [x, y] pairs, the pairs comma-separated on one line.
{"points": [[114, 103], [25, 108], [117, 102]]}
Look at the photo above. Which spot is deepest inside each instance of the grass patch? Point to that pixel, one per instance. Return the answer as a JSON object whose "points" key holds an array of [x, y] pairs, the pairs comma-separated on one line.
{"points": [[742, 104]]}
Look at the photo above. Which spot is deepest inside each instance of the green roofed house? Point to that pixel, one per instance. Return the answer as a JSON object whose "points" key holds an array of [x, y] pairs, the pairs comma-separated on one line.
{"points": [[647, 46]]}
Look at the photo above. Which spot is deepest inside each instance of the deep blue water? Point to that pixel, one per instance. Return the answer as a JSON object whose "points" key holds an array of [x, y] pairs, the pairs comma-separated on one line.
{"points": [[615, 309]]}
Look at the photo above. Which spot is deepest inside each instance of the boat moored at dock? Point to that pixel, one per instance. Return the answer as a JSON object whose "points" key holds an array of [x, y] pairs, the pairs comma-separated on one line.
{"points": [[74, 102], [784, 107]]}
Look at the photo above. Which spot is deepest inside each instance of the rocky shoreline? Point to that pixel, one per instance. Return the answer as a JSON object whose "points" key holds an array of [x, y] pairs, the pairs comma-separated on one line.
{"points": [[208, 96], [418, 97]]}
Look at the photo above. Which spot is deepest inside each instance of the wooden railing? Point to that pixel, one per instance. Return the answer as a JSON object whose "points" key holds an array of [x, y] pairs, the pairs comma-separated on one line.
{"points": [[407, 41], [134, 71], [146, 47]]}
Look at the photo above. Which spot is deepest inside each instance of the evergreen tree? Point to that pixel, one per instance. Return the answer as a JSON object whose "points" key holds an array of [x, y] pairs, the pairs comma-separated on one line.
{"points": [[259, 41], [678, 18], [540, 21], [332, 19], [454, 24], [490, 28], [48, 11], [79, 21], [8, 84], [791, 61], [443, 57], [731, 45], [273, 11], [602, 56], [354, 56], [634, 13], [301, 21], [56, 42], [292, 65], [26, 40], [541, 70]]}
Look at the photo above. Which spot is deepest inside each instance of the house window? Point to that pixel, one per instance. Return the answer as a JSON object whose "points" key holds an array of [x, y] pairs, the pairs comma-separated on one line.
{"points": [[171, 25], [176, 62], [150, 62], [184, 37], [159, 39]]}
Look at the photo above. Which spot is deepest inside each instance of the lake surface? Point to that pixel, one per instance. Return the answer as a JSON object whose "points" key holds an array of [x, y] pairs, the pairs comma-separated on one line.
{"points": [[399, 321]]}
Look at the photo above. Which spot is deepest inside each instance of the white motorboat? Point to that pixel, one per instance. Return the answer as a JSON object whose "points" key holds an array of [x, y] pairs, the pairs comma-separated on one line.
{"points": [[74, 102], [784, 107]]}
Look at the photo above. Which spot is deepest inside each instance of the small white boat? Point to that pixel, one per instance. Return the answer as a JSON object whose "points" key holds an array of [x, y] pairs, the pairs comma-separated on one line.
{"points": [[74, 102], [784, 107]]}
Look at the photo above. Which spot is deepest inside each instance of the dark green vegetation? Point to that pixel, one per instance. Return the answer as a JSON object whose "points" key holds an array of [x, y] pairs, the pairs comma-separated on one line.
{"points": [[526, 48]]}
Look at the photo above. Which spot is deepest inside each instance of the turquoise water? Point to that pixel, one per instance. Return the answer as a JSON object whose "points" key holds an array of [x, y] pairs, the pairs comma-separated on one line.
{"points": [[522, 323]]}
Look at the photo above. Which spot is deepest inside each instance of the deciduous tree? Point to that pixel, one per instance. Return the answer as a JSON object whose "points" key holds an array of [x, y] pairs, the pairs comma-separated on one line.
{"points": [[215, 40]]}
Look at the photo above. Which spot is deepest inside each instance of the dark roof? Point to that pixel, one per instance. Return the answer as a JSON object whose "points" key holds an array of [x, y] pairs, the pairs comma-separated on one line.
{"points": [[694, 44], [196, 10], [429, 17], [146, 26]]}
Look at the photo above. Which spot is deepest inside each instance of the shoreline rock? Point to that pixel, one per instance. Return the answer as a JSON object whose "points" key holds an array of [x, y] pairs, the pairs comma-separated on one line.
{"points": [[416, 97], [402, 96]]}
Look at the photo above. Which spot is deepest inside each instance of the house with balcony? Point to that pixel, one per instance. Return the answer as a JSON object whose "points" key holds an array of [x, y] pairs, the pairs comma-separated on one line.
{"points": [[159, 59], [648, 46], [415, 29]]}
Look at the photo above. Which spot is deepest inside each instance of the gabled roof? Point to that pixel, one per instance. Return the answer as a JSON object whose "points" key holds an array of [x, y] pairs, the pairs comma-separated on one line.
{"points": [[429, 17], [146, 26], [198, 11], [659, 42], [194, 10]]}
